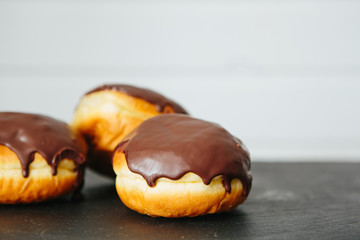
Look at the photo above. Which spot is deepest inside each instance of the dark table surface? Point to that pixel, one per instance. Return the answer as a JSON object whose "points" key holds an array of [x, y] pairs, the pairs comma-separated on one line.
{"points": [[288, 201]]}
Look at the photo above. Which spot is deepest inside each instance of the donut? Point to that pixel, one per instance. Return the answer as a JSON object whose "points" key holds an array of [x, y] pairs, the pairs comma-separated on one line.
{"points": [[40, 158], [176, 166], [106, 114]]}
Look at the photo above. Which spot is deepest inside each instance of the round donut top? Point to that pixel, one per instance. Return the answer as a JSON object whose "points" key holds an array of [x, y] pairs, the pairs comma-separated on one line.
{"points": [[27, 134], [175, 144], [146, 94]]}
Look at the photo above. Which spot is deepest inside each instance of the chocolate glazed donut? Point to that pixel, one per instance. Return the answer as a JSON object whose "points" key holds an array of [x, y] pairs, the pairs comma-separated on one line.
{"points": [[106, 114], [28, 140], [167, 149]]}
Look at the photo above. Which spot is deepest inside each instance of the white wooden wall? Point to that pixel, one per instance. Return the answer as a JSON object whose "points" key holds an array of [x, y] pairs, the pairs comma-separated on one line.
{"points": [[284, 76]]}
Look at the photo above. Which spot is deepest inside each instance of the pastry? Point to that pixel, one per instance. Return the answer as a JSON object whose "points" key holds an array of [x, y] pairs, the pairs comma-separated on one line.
{"points": [[40, 158], [176, 166], [106, 114]]}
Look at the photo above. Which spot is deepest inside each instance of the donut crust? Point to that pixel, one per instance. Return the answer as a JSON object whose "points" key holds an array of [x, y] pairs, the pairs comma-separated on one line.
{"points": [[104, 118], [40, 185], [185, 197]]}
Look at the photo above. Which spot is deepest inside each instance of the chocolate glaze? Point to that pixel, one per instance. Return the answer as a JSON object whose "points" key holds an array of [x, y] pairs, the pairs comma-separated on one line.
{"points": [[26, 134], [174, 144], [146, 94]]}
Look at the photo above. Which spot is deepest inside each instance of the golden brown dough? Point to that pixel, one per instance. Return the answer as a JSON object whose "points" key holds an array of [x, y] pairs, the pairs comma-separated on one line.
{"points": [[187, 196], [40, 185]]}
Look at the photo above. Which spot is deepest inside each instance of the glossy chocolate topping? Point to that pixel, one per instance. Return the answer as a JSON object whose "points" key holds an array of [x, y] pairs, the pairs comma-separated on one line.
{"points": [[26, 134], [172, 145], [148, 95]]}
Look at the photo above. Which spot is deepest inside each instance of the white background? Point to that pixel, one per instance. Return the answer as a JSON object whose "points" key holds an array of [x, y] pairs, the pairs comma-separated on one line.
{"points": [[283, 76]]}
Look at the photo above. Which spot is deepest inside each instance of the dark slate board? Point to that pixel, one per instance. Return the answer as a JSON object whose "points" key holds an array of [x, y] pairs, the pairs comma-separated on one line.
{"points": [[288, 201]]}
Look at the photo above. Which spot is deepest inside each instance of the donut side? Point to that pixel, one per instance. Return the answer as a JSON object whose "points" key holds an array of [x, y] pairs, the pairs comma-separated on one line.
{"points": [[104, 118], [187, 196], [39, 185]]}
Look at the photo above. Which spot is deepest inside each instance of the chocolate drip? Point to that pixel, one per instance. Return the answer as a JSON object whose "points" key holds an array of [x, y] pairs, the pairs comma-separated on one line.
{"points": [[26, 134], [173, 145], [148, 95]]}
